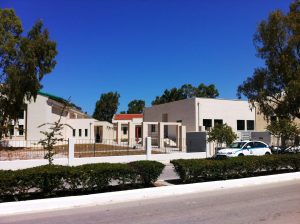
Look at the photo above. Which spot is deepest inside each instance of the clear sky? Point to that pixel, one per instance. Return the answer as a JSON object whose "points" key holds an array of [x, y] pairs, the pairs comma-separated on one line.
{"points": [[141, 47]]}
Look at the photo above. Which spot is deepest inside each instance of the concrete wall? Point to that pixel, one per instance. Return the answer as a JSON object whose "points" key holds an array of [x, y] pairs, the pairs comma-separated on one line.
{"points": [[182, 110], [192, 112], [228, 110]]}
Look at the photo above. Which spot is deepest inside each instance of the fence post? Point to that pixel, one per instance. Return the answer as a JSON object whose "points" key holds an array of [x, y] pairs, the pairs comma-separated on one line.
{"points": [[148, 148], [71, 151]]}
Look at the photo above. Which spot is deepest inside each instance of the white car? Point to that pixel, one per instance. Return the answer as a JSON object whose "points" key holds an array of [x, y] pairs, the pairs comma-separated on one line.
{"points": [[245, 148]]}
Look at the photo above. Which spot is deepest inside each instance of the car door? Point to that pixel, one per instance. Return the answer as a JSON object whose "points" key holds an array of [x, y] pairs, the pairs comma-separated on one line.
{"points": [[260, 148], [248, 149]]}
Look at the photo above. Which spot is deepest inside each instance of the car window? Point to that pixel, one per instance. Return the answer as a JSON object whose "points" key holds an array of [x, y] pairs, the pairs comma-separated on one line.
{"points": [[237, 145], [249, 144], [259, 145]]}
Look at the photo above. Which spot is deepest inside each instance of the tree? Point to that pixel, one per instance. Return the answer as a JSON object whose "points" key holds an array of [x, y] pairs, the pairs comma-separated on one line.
{"points": [[24, 61], [136, 107], [106, 106], [54, 135], [275, 88], [284, 129], [222, 133], [186, 91]]}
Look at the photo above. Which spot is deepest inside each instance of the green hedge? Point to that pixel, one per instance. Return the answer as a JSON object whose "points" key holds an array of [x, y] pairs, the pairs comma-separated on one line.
{"points": [[198, 170], [47, 181]]}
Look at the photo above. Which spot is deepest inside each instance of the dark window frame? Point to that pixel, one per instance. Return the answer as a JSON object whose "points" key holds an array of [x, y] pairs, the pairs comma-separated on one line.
{"points": [[79, 132], [240, 125], [86, 132], [74, 132], [252, 126]]}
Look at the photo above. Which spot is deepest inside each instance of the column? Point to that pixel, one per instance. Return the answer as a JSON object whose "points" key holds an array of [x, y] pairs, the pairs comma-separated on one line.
{"points": [[144, 133], [119, 129], [182, 144]]}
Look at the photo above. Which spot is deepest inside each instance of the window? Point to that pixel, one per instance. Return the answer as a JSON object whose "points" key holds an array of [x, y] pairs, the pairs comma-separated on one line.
{"points": [[259, 145], [21, 115], [21, 129], [153, 128], [250, 125], [240, 125], [218, 122], [11, 130], [207, 123], [74, 132], [179, 121], [85, 132], [79, 134], [124, 129], [250, 145]]}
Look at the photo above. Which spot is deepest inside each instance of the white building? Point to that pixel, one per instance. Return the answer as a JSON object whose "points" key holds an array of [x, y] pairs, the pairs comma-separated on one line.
{"points": [[200, 114], [47, 109], [128, 127]]}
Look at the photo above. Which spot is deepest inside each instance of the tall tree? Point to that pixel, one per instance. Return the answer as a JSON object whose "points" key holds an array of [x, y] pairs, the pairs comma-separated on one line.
{"points": [[106, 106], [275, 88], [136, 107], [222, 133], [24, 60], [186, 91]]}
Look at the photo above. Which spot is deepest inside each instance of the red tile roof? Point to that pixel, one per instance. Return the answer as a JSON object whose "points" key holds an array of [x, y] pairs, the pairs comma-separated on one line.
{"points": [[127, 116]]}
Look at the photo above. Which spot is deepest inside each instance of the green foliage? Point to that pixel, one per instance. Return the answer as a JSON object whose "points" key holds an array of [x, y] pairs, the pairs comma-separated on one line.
{"points": [[198, 170], [222, 134], [90, 178], [186, 91], [284, 129], [136, 107], [106, 106], [54, 135], [24, 60], [275, 88], [148, 171]]}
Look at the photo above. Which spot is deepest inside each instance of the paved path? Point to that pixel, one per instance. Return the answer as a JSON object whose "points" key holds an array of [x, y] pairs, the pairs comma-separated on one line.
{"points": [[168, 173], [266, 204]]}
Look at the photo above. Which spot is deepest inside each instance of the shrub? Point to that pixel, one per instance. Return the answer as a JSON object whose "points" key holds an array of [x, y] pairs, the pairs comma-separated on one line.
{"points": [[197, 170], [50, 180], [148, 171]]}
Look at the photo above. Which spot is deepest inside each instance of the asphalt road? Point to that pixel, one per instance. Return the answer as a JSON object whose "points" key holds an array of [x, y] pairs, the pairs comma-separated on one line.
{"points": [[274, 204]]}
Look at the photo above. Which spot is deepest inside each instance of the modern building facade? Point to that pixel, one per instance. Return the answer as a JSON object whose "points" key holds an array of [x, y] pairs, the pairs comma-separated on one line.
{"points": [[201, 114], [38, 116]]}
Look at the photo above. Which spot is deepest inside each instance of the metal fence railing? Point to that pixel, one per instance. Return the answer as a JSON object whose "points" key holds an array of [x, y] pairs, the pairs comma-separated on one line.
{"points": [[29, 149], [166, 145], [106, 147]]}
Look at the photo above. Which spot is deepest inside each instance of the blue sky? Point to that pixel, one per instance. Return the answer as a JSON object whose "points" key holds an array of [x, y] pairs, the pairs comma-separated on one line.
{"points": [[141, 47]]}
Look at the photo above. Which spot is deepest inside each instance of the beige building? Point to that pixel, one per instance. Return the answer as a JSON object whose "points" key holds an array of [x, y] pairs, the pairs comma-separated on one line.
{"points": [[47, 109], [200, 114]]}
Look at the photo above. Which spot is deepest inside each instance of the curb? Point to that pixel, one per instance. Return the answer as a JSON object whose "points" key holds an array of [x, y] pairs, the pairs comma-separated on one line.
{"points": [[44, 205]]}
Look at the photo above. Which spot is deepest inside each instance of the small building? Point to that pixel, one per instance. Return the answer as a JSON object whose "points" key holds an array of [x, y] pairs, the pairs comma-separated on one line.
{"points": [[128, 127], [47, 109], [201, 114]]}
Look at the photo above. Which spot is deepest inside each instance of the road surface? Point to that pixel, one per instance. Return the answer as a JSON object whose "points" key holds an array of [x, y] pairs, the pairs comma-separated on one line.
{"points": [[266, 204]]}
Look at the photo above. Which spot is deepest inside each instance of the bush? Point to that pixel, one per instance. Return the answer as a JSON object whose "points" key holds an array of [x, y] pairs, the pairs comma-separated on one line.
{"points": [[148, 171], [51, 180], [197, 170]]}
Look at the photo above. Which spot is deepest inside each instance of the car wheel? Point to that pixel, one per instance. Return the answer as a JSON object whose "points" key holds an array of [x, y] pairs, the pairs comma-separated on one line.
{"points": [[267, 153], [241, 154]]}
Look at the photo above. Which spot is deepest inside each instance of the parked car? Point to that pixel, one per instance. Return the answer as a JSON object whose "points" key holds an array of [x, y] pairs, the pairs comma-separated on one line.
{"points": [[276, 149], [245, 148], [292, 149]]}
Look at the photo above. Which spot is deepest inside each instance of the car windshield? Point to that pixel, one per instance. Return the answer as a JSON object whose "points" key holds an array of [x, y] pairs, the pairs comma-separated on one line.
{"points": [[237, 145]]}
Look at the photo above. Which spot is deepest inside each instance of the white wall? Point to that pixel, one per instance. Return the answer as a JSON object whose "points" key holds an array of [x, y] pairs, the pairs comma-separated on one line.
{"points": [[179, 110], [187, 110], [228, 110], [38, 113]]}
